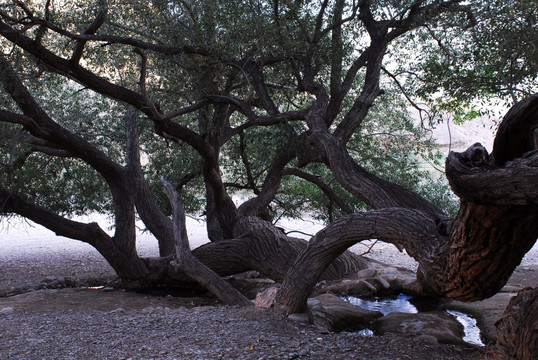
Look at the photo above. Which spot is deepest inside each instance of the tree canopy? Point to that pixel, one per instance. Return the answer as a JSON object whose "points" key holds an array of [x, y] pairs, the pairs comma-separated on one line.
{"points": [[250, 67]]}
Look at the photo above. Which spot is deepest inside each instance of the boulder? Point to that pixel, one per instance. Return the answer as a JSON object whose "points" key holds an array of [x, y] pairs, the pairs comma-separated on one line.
{"points": [[444, 328], [359, 288], [266, 299], [329, 312]]}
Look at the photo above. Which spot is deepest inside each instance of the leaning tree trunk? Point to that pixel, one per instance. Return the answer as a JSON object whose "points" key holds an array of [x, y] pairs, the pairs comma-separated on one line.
{"points": [[186, 262], [497, 224], [498, 218]]}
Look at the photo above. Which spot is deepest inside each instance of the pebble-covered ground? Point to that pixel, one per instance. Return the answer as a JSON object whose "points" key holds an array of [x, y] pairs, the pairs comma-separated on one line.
{"points": [[207, 332]]}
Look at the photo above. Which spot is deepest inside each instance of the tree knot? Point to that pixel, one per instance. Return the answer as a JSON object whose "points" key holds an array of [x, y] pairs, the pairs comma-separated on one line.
{"points": [[475, 156]]}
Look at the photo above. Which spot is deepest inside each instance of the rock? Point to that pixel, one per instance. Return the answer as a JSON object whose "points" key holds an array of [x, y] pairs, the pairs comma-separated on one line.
{"points": [[441, 326], [300, 317], [335, 314], [7, 311], [366, 273], [266, 299], [370, 282], [383, 283], [118, 311], [250, 287], [314, 303], [398, 279], [359, 288]]}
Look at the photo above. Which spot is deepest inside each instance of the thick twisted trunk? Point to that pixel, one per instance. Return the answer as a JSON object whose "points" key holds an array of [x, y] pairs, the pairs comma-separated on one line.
{"points": [[260, 246], [470, 259], [486, 245], [517, 330]]}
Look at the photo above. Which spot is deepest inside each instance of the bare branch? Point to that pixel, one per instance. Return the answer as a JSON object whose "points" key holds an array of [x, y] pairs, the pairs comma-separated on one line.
{"points": [[90, 29], [187, 262]]}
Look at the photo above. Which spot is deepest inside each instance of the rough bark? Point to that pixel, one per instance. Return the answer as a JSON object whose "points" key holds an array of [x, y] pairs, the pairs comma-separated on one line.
{"points": [[517, 331], [410, 229], [260, 246], [469, 260], [486, 245], [186, 262]]}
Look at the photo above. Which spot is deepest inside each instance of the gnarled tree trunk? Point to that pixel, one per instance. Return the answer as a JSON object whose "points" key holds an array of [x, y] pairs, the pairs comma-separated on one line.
{"points": [[471, 259], [517, 330]]}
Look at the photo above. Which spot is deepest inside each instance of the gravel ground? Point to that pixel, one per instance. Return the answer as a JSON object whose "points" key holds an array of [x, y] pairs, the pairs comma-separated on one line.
{"points": [[114, 324], [216, 332]]}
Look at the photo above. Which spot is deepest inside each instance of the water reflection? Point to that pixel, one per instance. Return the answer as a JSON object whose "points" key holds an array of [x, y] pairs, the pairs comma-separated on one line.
{"points": [[401, 304], [385, 306], [471, 330]]}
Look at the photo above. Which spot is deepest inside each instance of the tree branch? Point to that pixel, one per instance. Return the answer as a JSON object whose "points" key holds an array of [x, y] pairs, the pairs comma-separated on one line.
{"points": [[474, 178], [405, 228], [89, 233], [145, 202], [189, 264], [90, 30], [321, 185]]}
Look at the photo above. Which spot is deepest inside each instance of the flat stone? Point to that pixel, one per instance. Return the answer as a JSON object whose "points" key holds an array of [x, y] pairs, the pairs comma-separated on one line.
{"points": [[335, 314], [7, 311], [366, 273], [300, 317], [359, 288], [439, 325]]}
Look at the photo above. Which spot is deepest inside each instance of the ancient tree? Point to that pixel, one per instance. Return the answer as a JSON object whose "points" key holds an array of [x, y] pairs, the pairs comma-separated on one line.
{"points": [[280, 100]]}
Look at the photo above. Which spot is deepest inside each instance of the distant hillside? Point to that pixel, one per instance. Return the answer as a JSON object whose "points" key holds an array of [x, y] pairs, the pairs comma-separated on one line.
{"points": [[460, 137]]}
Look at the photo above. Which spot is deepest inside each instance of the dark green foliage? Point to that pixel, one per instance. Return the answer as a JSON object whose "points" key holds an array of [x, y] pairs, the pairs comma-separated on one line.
{"points": [[469, 52]]}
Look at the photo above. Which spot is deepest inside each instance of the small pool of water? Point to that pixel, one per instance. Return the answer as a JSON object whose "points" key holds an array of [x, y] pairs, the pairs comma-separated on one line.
{"points": [[402, 304], [385, 306]]}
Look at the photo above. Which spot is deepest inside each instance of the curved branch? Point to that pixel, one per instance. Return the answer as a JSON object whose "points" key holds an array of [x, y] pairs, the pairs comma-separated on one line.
{"points": [[374, 191], [518, 131], [90, 30], [121, 256], [405, 228], [89, 233], [512, 184]]}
